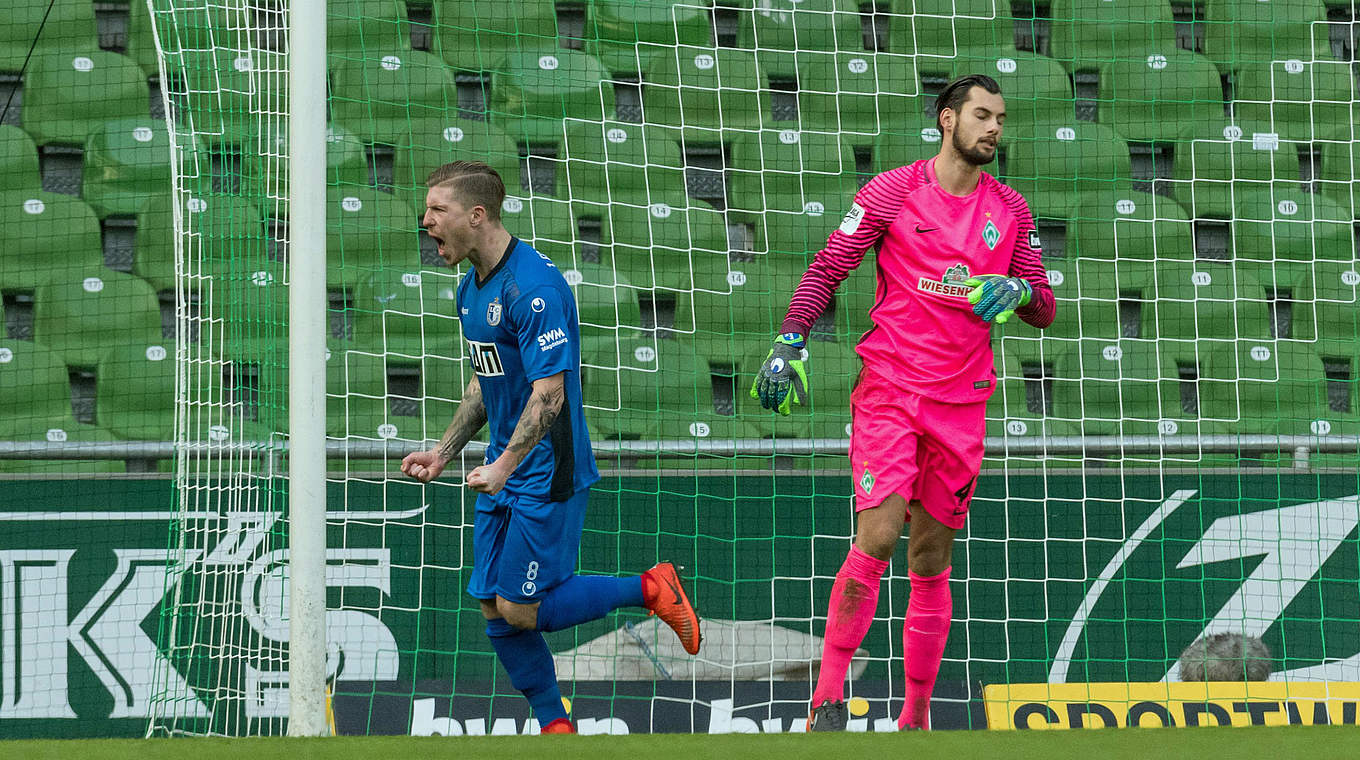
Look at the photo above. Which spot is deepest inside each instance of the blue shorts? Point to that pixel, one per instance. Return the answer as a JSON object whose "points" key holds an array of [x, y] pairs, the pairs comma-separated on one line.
{"points": [[522, 547]]}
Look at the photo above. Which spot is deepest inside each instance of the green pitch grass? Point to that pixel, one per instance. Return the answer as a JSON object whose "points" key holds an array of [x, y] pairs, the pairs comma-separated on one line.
{"points": [[1319, 743]]}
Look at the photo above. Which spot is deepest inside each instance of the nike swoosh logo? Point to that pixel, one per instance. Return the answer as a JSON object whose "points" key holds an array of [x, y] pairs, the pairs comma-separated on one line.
{"points": [[674, 590], [919, 228]]}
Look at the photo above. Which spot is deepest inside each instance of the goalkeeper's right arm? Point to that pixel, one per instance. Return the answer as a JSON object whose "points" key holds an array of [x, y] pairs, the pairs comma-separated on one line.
{"points": [[784, 370]]}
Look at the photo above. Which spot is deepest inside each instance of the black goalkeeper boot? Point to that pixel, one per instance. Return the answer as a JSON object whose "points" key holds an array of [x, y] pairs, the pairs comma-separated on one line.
{"points": [[828, 716]]}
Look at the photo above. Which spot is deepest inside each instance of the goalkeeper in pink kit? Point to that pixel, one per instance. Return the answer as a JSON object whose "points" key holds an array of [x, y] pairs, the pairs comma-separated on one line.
{"points": [[957, 251]]}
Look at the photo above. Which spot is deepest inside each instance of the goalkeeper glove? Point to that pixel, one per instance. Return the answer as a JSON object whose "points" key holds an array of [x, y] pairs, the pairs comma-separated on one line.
{"points": [[783, 368], [995, 297]]}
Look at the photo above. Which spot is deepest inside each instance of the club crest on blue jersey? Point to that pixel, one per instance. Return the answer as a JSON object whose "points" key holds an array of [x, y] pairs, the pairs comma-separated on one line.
{"points": [[493, 312]]}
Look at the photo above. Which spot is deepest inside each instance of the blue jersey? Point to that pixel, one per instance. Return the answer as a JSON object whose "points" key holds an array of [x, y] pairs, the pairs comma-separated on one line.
{"points": [[520, 324]]}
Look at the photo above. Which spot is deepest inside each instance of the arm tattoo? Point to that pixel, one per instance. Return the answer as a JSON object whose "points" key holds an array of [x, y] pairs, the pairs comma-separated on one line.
{"points": [[469, 418], [539, 413]]}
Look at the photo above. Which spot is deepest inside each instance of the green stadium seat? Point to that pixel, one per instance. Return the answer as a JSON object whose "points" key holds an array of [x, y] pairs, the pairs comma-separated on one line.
{"points": [[362, 404], [678, 90], [534, 89], [660, 245], [1129, 225], [408, 312], [379, 98], [800, 234], [1028, 383], [606, 303], [368, 231], [1165, 95], [36, 386], [949, 29], [67, 95], [437, 141], [1339, 177], [1036, 88], [793, 186], [1210, 169], [796, 25], [35, 405], [1130, 387], [1103, 299], [81, 314], [199, 26], [125, 164], [554, 227], [737, 302], [220, 227], [1207, 301], [1238, 32], [135, 391], [791, 171], [366, 29], [473, 35], [222, 88], [1301, 100], [65, 25], [1276, 388], [677, 401], [1091, 32], [859, 92], [627, 34], [618, 161], [910, 137], [247, 296], [617, 375], [1289, 224], [347, 160], [18, 160], [1063, 163], [1319, 296], [35, 227]]}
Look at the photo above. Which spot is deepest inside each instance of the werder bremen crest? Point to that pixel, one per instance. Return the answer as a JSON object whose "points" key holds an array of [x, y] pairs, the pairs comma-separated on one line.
{"points": [[991, 235]]}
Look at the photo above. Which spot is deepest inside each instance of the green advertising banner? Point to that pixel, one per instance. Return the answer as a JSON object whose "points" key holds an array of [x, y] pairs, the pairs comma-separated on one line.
{"points": [[1094, 578]]}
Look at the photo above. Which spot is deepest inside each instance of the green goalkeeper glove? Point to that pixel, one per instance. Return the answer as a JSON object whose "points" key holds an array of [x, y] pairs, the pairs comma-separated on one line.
{"points": [[784, 367], [995, 297]]}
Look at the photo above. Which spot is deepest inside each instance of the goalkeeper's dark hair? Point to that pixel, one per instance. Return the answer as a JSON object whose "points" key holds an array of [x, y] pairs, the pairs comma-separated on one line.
{"points": [[472, 183], [956, 92]]}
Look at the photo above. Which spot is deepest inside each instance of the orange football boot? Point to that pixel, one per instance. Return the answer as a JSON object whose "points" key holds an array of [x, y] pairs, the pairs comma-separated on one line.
{"points": [[664, 596]]}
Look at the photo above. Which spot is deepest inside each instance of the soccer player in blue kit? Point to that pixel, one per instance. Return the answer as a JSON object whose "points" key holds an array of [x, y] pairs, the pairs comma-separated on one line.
{"points": [[519, 319]]}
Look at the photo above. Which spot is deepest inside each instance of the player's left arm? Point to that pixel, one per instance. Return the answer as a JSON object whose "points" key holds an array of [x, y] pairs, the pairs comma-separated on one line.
{"points": [[1027, 263], [545, 403], [545, 327], [1024, 289]]}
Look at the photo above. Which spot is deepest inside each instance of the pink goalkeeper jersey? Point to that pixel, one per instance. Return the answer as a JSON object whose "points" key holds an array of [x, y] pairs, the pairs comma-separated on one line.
{"points": [[925, 336]]}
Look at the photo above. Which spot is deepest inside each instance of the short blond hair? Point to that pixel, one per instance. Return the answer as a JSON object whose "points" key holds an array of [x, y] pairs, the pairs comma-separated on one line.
{"points": [[473, 183]]}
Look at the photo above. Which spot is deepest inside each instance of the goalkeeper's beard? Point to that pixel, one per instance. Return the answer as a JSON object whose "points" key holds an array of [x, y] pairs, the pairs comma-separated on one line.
{"points": [[972, 155]]}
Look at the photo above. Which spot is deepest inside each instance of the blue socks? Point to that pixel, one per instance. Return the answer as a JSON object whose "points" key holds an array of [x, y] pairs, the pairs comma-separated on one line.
{"points": [[525, 654], [583, 598], [527, 659]]}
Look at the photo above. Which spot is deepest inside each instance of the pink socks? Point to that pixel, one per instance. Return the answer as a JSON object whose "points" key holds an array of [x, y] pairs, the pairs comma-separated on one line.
{"points": [[854, 598], [923, 637]]}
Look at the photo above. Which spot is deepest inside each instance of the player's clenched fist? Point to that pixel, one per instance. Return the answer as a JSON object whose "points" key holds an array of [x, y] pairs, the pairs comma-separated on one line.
{"points": [[488, 479], [423, 465], [784, 370], [995, 297]]}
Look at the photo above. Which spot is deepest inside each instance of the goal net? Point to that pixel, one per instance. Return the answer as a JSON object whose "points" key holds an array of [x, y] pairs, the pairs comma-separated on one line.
{"points": [[1172, 459]]}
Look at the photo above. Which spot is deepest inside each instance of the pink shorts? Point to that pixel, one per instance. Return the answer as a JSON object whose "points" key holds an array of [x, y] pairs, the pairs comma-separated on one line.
{"points": [[906, 444]]}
